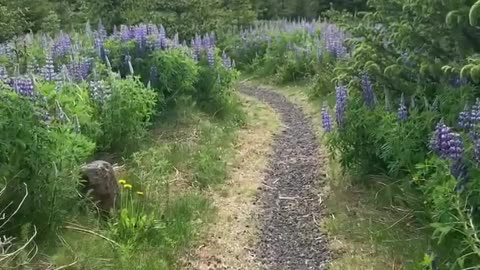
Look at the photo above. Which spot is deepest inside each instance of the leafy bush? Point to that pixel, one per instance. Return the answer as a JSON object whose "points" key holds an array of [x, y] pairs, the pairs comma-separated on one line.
{"points": [[44, 155], [126, 114], [175, 75]]}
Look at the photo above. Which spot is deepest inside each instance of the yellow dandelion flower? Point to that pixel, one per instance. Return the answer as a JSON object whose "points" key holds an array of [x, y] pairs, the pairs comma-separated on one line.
{"points": [[127, 186], [122, 182], [140, 193]]}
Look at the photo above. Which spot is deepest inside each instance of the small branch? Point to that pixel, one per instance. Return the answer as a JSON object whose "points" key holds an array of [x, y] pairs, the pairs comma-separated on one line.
{"points": [[8, 255], [18, 208], [113, 243]]}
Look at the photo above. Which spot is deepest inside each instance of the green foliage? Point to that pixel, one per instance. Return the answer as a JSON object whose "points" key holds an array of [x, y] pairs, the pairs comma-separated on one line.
{"points": [[177, 75], [44, 156], [214, 91], [126, 115]]}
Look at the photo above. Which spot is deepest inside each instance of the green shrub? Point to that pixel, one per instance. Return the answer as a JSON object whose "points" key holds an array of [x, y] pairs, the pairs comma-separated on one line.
{"points": [[44, 155], [177, 74], [126, 115]]}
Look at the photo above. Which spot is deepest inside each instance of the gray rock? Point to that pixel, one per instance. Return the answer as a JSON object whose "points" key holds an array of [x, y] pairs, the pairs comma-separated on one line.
{"points": [[100, 184]]}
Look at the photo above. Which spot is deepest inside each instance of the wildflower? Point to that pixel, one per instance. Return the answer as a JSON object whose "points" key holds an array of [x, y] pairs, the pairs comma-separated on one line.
{"points": [[122, 182], [140, 193], [128, 186], [211, 56], [446, 143], [326, 119], [341, 106], [465, 119], [402, 113], [367, 87]]}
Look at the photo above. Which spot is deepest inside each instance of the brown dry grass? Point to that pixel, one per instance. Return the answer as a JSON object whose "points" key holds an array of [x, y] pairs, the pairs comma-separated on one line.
{"points": [[229, 240]]}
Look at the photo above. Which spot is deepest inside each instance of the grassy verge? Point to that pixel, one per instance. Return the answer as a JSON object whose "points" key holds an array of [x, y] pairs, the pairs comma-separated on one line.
{"points": [[365, 229], [166, 203]]}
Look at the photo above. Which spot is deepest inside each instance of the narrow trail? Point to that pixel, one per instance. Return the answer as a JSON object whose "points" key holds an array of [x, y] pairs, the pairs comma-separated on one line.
{"points": [[290, 209]]}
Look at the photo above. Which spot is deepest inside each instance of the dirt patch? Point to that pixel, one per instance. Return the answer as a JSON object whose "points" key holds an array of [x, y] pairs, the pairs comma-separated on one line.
{"points": [[291, 208], [230, 240]]}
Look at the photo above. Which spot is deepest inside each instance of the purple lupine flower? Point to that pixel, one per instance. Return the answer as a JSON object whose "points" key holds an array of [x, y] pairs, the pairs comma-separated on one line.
{"points": [[446, 143], [211, 56], [465, 119], [334, 41], [102, 31], [341, 105], [206, 42], [140, 35], [24, 87], [49, 69], [152, 29], [97, 40], [457, 81], [80, 70], [125, 33], [162, 35], [227, 62], [197, 48], [477, 150], [3, 74], [475, 113], [326, 119], [62, 45], [99, 92], [367, 89], [176, 41], [402, 113]]}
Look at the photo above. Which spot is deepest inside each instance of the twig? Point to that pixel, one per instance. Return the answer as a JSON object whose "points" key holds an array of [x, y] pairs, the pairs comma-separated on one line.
{"points": [[93, 233], [8, 255], [18, 208], [396, 222]]}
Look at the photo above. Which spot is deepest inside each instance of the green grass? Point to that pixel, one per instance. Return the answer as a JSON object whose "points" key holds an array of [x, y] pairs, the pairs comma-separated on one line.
{"points": [[366, 230], [188, 152]]}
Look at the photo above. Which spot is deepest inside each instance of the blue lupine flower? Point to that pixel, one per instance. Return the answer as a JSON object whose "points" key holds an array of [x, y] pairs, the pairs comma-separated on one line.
{"points": [[326, 119], [99, 92], [475, 113], [102, 31], [3, 74], [211, 56], [367, 89], [162, 34], [465, 119], [23, 87], [227, 62], [334, 41], [49, 69], [341, 105], [446, 143], [402, 113], [62, 45]]}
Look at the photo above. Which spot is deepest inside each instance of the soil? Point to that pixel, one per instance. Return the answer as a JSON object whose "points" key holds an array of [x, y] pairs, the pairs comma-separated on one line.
{"points": [[289, 205]]}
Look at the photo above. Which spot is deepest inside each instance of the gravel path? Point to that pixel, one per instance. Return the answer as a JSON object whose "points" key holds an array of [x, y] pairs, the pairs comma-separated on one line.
{"points": [[290, 209]]}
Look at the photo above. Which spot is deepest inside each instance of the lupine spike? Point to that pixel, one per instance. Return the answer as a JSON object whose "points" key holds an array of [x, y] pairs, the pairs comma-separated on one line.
{"points": [[326, 119], [367, 89], [341, 105], [402, 113]]}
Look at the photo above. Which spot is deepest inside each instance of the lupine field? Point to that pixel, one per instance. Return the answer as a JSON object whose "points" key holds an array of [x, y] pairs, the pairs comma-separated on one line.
{"points": [[396, 84]]}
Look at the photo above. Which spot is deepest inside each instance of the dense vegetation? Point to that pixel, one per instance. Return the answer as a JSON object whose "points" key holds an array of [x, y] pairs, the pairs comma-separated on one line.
{"points": [[72, 97], [403, 78]]}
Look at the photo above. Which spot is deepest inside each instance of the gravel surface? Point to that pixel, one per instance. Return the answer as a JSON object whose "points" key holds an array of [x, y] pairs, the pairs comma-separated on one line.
{"points": [[290, 206]]}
